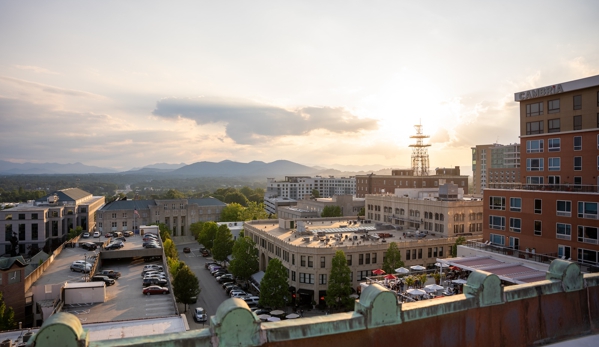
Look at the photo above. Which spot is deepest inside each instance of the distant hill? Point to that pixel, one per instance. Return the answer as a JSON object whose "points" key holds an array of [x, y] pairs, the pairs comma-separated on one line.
{"points": [[9, 168], [228, 168]]}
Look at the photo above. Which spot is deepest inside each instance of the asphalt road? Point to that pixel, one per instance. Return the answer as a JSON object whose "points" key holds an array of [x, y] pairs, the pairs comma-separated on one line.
{"points": [[212, 294]]}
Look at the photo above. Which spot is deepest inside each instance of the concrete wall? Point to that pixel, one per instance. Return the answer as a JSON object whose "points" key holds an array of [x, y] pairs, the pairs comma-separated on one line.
{"points": [[564, 305]]}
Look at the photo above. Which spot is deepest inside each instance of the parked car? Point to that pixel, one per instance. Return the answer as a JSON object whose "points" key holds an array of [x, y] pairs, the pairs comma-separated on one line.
{"points": [[90, 246], [186, 250], [207, 264], [205, 254], [127, 233], [113, 246], [251, 300], [218, 272], [237, 293], [120, 238], [96, 234], [79, 267], [152, 272], [199, 315], [82, 262], [154, 281], [105, 279], [150, 236], [85, 235], [153, 245], [108, 234], [153, 267], [211, 267], [110, 274], [155, 290], [146, 244], [223, 277], [226, 280], [228, 285], [232, 288]]}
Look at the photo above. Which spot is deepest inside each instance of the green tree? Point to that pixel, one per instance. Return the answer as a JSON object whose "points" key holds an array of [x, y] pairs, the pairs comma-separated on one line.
{"points": [[75, 232], [170, 250], [247, 191], [340, 288], [7, 315], [362, 212], [274, 289], [392, 259], [186, 286], [459, 241], [315, 193], [196, 229], [174, 194], [223, 243], [208, 234], [254, 211], [165, 231], [232, 212], [331, 211], [236, 197], [245, 258]]}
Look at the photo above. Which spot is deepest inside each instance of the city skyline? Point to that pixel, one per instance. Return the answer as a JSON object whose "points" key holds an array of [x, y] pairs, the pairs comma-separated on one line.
{"points": [[124, 85]]}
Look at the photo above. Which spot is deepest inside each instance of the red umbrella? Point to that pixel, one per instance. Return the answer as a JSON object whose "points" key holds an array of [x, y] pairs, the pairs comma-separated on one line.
{"points": [[378, 272], [390, 277]]}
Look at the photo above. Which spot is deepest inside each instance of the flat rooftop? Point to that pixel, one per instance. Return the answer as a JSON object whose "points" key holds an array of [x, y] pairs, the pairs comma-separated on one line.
{"points": [[514, 272]]}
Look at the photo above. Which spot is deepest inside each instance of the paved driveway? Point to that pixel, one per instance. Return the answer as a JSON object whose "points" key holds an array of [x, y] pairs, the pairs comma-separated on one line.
{"points": [[212, 294]]}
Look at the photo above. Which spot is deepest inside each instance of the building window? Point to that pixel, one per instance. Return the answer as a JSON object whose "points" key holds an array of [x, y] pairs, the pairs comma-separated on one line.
{"points": [[349, 260], [577, 163], [515, 204], [553, 106], [577, 123], [587, 234], [303, 261], [553, 180], [322, 279], [34, 231], [577, 102], [293, 275], [538, 206], [587, 256], [497, 239], [587, 210], [374, 258], [360, 259], [563, 231], [554, 164], [14, 277], [553, 125], [497, 203], [564, 208], [578, 143], [534, 146], [114, 224], [125, 223], [553, 145], [362, 275], [21, 216], [534, 180], [538, 228], [533, 128], [322, 262], [21, 232], [367, 258], [535, 109], [563, 252], [577, 180], [306, 278], [114, 216], [497, 222], [310, 261], [535, 164]]}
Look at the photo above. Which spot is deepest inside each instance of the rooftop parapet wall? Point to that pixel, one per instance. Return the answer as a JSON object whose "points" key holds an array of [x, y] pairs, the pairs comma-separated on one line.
{"points": [[566, 304]]}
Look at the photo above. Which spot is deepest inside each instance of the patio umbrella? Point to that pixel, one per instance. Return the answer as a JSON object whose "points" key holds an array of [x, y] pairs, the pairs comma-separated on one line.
{"points": [[390, 277], [378, 272], [273, 319], [292, 316], [264, 317], [434, 287], [415, 292], [354, 296], [402, 270], [460, 281], [417, 268], [277, 313], [440, 264]]}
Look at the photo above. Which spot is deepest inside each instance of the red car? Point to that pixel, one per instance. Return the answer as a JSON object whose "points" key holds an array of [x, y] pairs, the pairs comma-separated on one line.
{"points": [[155, 290], [108, 235]]}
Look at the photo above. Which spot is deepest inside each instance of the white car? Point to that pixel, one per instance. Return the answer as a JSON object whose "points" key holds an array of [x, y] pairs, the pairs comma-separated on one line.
{"points": [[199, 315], [85, 235], [97, 234], [238, 293]]}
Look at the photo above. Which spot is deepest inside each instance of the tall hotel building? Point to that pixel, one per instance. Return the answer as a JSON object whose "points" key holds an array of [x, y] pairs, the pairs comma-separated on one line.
{"points": [[495, 163], [554, 210]]}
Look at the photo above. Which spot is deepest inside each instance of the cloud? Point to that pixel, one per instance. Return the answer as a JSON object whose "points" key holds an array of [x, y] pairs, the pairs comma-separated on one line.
{"points": [[35, 69], [249, 122], [50, 89]]}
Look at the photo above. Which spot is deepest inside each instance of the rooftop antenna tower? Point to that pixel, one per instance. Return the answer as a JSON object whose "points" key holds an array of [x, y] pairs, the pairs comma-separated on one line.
{"points": [[419, 152]]}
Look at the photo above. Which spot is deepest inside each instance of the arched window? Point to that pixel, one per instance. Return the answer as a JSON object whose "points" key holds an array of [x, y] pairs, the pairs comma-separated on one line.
{"points": [[402, 211], [436, 216], [441, 217]]}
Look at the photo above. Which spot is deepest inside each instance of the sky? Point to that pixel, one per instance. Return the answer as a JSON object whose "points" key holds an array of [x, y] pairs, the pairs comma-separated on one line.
{"points": [[125, 84]]}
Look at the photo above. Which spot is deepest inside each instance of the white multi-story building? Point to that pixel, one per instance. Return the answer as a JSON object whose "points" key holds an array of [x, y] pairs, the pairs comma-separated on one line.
{"points": [[295, 187]]}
